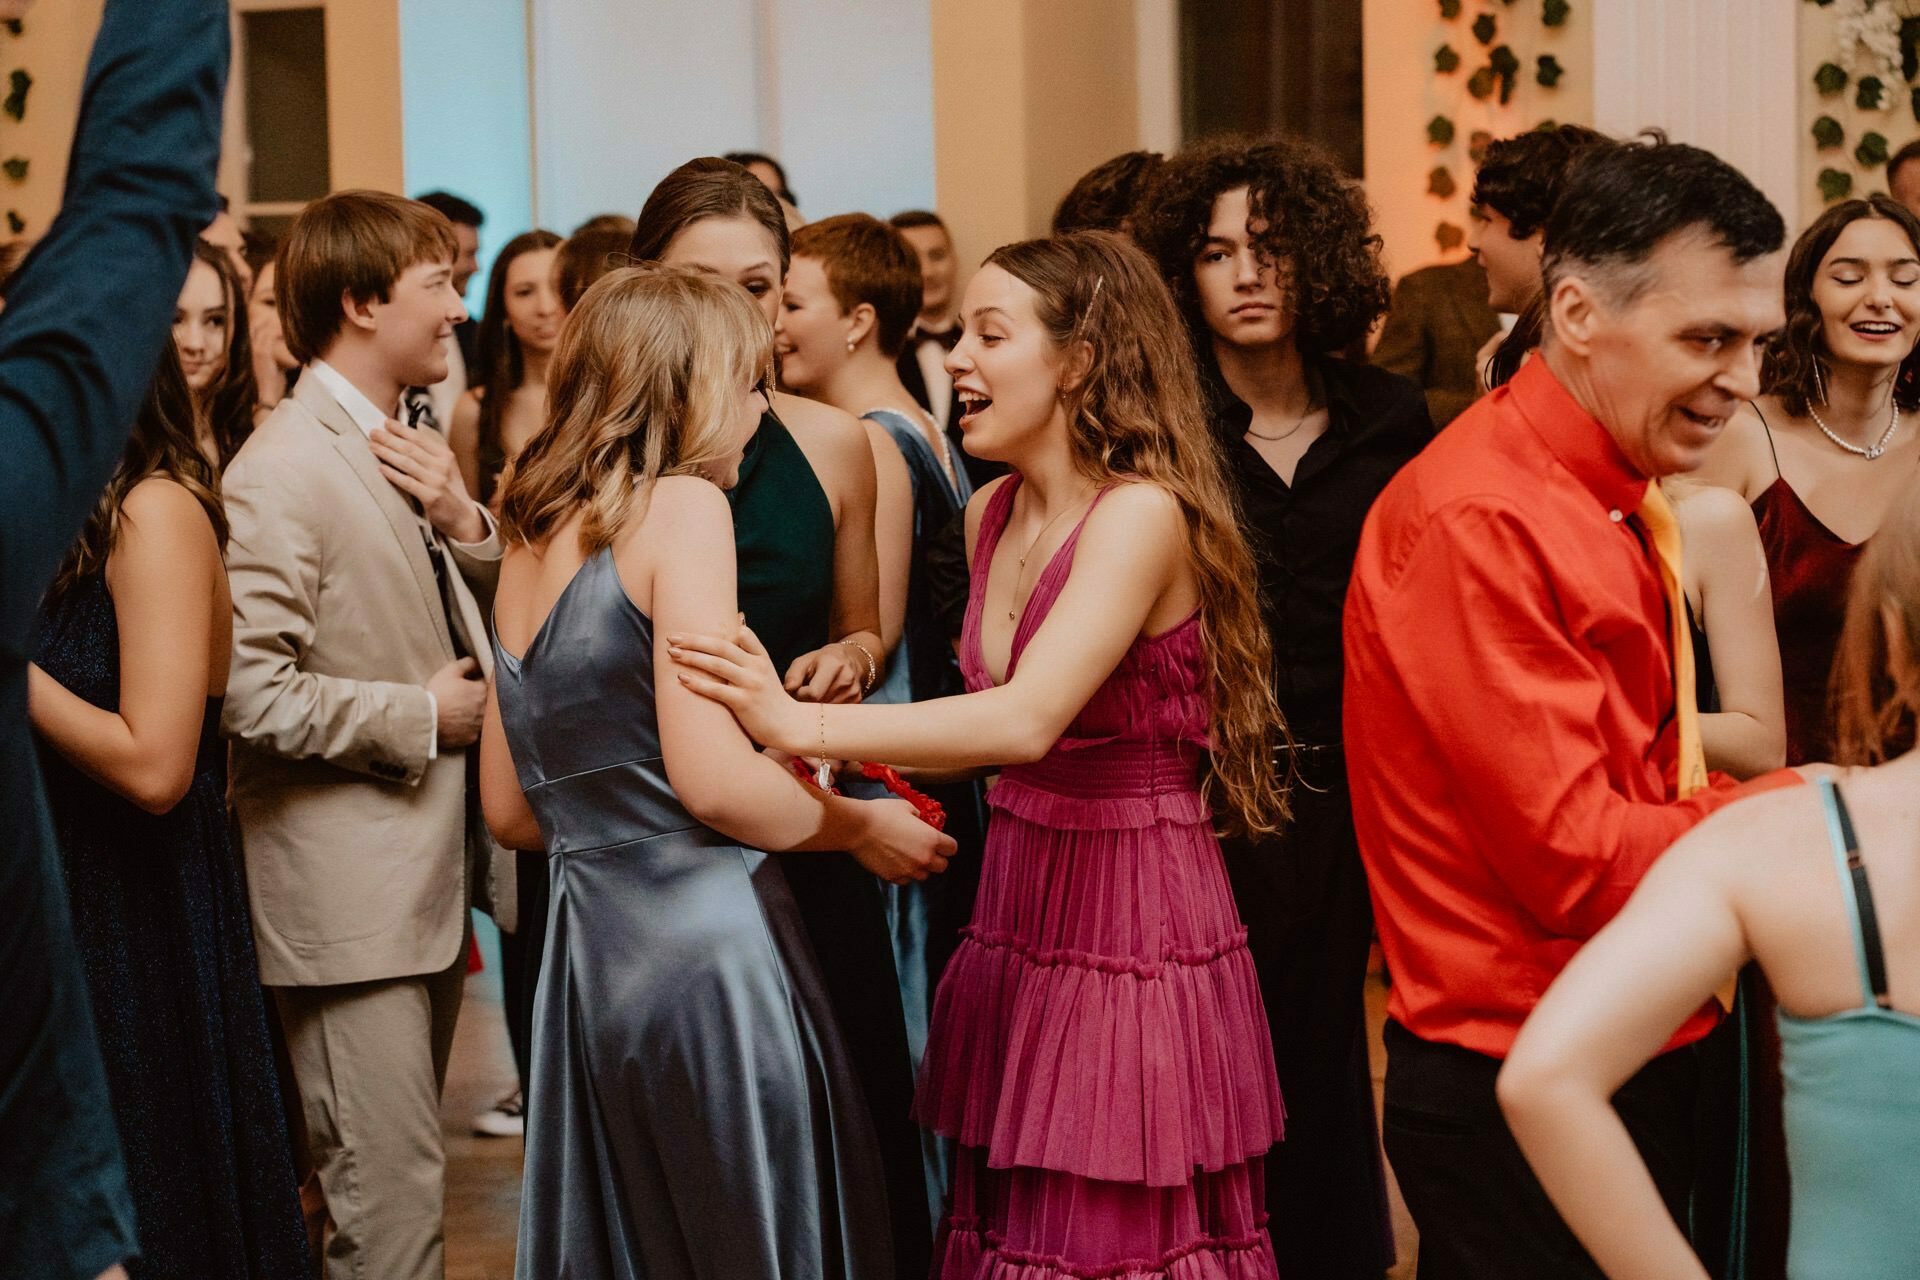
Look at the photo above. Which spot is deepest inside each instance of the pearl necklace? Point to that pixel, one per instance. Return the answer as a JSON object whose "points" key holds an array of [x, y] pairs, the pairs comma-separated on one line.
{"points": [[1869, 452]]}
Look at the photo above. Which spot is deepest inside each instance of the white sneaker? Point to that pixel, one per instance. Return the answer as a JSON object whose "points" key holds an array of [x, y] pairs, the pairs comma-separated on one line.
{"points": [[507, 1119]]}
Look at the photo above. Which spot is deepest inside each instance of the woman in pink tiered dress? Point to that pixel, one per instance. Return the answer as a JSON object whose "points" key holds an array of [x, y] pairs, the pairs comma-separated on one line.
{"points": [[1099, 1053]]}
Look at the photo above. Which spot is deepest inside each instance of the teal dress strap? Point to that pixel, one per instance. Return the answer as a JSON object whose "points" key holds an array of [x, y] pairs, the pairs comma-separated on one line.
{"points": [[1868, 953]]}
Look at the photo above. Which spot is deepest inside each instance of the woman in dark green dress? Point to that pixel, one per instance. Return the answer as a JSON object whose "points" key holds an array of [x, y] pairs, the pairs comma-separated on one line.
{"points": [[809, 587]]}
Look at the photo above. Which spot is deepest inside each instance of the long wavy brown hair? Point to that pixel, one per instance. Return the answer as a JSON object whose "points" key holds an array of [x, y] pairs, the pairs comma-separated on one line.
{"points": [[1791, 369], [1876, 673], [502, 364], [165, 442], [1138, 415], [645, 382]]}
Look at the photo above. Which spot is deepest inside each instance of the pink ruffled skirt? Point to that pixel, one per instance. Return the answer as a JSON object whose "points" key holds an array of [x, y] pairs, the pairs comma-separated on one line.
{"points": [[1099, 1051]]}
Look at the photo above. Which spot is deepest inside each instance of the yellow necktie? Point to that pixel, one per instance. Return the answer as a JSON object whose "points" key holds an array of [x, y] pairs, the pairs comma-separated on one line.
{"points": [[1657, 515]]}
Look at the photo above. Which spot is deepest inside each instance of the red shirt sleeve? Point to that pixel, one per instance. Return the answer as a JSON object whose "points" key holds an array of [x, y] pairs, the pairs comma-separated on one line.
{"points": [[1518, 723]]}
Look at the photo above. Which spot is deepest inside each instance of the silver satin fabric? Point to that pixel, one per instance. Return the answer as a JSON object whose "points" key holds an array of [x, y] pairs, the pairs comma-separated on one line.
{"points": [[691, 1112]]}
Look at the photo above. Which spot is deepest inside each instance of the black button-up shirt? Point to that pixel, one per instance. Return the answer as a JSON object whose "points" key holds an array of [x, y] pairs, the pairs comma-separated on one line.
{"points": [[1304, 535]]}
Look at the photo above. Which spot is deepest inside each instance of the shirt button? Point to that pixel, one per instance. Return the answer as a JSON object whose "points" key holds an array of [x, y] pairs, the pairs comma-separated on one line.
{"points": [[1616, 515]]}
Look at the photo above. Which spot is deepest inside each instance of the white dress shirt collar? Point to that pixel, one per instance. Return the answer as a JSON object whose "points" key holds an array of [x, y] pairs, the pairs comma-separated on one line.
{"points": [[365, 414]]}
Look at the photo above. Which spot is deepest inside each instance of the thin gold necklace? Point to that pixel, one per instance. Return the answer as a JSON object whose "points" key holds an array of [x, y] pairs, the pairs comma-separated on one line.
{"points": [[1020, 577]]}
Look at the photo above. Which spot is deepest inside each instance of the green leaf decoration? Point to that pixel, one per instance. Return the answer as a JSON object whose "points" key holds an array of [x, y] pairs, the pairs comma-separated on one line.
{"points": [[15, 223], [1449, 237], [1484, 28], [16, 168], [1445, 60], [1829, 79], [1916, 104], [1549, 71], [1872, 151], [1440, 131], [1827, 133], [1440, 183], [1503, 61], [1547, 126], [1554, 13], [1481, 85], [1477, 143], [1870, 94], [1449, 9], [16, 102], [1910, 47], [1835, 184]]}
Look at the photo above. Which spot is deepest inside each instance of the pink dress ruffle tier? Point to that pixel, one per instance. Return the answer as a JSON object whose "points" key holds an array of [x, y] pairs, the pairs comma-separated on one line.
{"points": [[1099, 1051]]}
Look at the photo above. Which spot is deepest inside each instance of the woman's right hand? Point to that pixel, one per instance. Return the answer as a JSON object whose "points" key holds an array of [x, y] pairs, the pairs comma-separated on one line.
{"points": [[897, 846]]}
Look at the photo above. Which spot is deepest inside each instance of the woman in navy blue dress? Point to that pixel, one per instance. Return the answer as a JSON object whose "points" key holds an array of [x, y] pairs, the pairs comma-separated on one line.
{"points": [[130, 665]]}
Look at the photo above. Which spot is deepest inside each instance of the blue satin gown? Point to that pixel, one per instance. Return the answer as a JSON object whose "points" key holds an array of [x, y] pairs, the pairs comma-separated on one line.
{"points": [[692, 1109]]}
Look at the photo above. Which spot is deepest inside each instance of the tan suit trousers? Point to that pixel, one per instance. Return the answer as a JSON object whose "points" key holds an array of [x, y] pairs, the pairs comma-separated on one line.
{"points": [[369, 1059]]}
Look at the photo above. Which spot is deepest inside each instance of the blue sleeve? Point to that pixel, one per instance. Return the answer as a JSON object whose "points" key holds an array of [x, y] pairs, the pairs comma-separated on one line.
{"points": [[86, 317]]}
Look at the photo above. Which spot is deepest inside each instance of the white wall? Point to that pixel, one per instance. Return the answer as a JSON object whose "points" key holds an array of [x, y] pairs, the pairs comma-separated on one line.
{"points": [[840, 90], [1720, 74], [464, 113]]}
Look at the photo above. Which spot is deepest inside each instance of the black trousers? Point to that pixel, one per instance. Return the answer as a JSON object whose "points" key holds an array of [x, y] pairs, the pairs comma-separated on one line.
{"points": [[1303, 899], [1481, 1212], [520, 956]]}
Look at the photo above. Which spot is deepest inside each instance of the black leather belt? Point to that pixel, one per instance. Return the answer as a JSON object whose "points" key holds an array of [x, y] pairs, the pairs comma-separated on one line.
{"points": [[1312, 755]]}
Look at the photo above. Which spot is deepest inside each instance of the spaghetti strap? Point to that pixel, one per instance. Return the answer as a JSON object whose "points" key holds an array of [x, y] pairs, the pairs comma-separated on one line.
{"points": [[1867, 950], [1755, 406]]}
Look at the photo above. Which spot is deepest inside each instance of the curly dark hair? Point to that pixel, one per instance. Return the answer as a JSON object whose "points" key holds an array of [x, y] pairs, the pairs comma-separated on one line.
{"points": [[1791, 367], [1104, 197], [1317, 223], [1520, 177]]}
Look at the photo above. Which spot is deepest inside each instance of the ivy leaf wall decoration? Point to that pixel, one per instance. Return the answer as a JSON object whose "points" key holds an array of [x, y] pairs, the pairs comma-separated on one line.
{"points": [[1827, 133], [1485, 28], [1548, 71], [15, 223], [1445, 60], [1477, 143], [16, 101], [1835, 184], [1506, 67], [1440, 183], [1553, 13], [1483, 83], [1449, 9], [16, 168], [1440, 131], [1449, 237], [1829, 79], [1870, 93], [1872, 151]]}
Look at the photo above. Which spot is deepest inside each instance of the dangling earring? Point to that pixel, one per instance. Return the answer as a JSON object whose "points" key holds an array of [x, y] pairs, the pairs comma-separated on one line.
{"points": [[1818, 384]]}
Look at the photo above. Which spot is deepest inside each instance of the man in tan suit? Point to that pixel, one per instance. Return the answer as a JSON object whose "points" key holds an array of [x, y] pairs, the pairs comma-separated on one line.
{"points": [[357, 690]]}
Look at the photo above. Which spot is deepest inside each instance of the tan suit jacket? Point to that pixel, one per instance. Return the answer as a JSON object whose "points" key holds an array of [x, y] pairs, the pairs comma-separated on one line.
{"points": [[358, 847]]}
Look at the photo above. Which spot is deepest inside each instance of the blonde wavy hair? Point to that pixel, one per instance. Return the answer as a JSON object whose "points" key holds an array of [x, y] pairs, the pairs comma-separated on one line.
{"points": [[1876, 673], [645, 382], [1138, 415]]}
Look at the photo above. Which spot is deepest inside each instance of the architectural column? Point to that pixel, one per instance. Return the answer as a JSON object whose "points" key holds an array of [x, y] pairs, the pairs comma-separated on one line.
{"points": [[1721, 74]]}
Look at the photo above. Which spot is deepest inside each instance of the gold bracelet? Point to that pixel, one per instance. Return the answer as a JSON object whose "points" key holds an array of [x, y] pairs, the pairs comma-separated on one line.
{"points": [[873, 668]]}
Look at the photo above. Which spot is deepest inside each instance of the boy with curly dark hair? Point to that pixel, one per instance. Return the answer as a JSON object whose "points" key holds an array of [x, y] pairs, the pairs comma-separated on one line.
{"points": [[1271, 254]]}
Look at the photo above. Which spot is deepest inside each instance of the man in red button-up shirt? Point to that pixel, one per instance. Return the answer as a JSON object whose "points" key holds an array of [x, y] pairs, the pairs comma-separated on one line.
{"points": [[1510, 685]]}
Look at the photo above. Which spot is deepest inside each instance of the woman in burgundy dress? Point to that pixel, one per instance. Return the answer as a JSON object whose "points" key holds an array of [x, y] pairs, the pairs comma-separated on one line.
{"points": [[1822, 457], [1098, 1050]]}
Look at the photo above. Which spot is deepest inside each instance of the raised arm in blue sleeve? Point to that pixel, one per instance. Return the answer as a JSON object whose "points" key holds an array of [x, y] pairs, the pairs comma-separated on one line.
{"points": [[82, 329]]}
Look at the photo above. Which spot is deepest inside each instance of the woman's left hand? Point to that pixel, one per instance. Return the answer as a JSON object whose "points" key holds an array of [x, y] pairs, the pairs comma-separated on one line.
{"points": [[831, 673], [739, 675]]}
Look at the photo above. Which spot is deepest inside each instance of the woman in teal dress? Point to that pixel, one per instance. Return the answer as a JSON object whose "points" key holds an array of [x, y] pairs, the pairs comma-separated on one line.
{"points": [[1821, 886], [803, 535]]}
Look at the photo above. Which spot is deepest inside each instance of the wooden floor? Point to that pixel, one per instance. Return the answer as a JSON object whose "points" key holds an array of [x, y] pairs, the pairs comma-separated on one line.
{"points": [[483, 1174]]}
